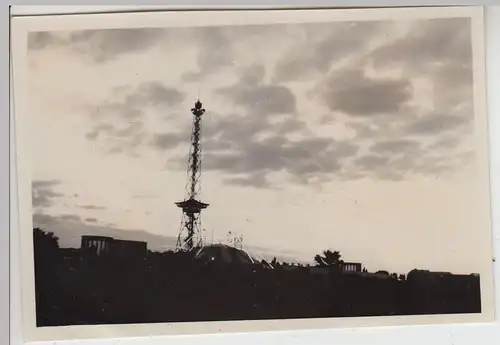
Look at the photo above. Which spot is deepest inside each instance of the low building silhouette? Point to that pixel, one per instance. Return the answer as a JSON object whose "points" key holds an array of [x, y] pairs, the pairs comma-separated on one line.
{"points": [[101, 245], [351, 267]]}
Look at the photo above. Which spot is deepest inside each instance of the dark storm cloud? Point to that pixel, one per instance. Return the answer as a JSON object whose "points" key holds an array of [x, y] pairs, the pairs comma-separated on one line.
{"points": [[43, 194], [100, 45], [356, 94], [71, 231], [313, 56]]}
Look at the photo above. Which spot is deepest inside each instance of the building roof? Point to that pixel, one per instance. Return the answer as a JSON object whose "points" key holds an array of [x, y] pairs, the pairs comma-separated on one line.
{"points": [[102, 238], [226, 254]]}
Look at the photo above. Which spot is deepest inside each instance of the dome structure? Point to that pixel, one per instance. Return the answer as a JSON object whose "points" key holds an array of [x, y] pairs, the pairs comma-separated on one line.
{"points": [[225, 254]]}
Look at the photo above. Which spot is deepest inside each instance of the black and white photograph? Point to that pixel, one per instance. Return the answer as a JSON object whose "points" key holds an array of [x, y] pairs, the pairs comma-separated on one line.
{"points": [[307, 168]]}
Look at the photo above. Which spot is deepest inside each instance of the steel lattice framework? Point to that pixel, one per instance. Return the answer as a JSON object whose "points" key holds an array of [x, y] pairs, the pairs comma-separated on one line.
{"points": [[190, 232]]}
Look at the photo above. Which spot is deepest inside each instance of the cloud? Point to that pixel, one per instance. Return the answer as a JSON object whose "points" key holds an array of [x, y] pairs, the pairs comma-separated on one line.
{"points": [[436, 124], [262, 134], [42, 184], [253, 143], [214, 52], [439, 49], [262, 100], [405, 138], [100, 45], [445, 40], [131, 102], [236, 150], [70, 229], [446, 143], [370, 162], [43, 194], [217, 47], [322, 45], [120, 119], [256, 97], [91, 207], [71, 217], [404, 146], [165, 141], [356, 94], [397, 159], [258, 180], [42, 39]]}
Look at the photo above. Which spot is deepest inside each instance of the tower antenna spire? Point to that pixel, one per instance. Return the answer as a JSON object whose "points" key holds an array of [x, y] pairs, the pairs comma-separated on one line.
{"points": [[190, 235]]}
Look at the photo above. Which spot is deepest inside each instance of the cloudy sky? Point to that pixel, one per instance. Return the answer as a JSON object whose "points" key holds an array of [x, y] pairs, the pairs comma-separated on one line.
{"points": [[352, 136]]}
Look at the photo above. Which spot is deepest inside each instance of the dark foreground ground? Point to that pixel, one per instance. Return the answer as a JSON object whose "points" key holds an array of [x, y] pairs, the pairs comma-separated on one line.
{"points": [[179, 289]]}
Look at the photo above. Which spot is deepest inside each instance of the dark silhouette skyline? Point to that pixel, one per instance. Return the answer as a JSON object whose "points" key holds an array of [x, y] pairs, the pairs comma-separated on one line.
{"points": [[123, 282]]}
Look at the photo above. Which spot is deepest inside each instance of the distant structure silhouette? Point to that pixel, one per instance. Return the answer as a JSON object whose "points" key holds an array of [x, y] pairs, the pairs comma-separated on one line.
{"points": [[190, 232], [111, 281], [102, 245], [223, 253]]}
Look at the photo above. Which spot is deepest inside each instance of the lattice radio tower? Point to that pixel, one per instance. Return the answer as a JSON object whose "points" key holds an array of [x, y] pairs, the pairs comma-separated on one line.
{"points": [[190, 232]]}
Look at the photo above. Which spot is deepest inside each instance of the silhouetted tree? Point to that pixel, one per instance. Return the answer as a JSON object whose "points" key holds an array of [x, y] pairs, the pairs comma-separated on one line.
{"points": [[274, 262], [45, 240], [45, 247], [47, 261], [329, 259]]}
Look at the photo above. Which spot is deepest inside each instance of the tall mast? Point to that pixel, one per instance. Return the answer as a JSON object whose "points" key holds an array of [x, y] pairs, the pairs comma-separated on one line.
{"points": [[190, 233]]}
